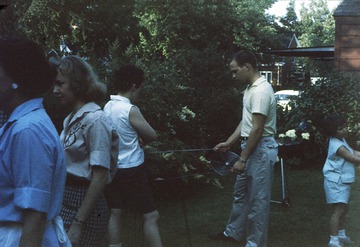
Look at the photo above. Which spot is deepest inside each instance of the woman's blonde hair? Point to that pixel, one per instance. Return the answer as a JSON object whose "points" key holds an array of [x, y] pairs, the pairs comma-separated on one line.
{"points": [[83, 79]]}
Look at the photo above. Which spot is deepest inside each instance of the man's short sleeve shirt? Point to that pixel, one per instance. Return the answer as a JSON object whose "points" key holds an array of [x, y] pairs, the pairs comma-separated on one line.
{"points": [[259, 98]]}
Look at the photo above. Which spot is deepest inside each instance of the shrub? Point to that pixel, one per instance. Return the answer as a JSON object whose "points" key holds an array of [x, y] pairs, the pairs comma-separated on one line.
{"points": [[336, 93]]}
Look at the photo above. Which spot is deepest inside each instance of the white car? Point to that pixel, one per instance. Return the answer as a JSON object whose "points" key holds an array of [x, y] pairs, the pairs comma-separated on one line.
{"points": [[283, 97]]}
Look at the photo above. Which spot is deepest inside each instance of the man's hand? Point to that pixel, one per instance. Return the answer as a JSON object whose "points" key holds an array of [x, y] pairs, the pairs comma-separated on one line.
{"points": [[222, 147], [239, 167]]}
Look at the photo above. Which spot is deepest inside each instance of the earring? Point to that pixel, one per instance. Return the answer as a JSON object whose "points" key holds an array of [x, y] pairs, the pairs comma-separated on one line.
{"points": [[14, 86]]}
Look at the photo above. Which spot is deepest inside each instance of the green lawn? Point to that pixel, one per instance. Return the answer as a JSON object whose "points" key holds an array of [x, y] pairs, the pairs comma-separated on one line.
{"points": [[189, 214]]}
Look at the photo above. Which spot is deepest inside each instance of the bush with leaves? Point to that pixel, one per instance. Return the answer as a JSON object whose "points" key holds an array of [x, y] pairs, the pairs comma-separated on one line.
{"points": [[184, 47], [336, 93], [185, 103]]}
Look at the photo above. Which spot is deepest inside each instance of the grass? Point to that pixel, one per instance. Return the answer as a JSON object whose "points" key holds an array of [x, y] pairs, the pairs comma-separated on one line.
{"points": [[189, 214]]}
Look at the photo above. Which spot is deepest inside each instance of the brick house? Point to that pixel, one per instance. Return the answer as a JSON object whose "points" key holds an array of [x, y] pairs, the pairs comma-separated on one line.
{"points": [[346, 51], [347, 36]]}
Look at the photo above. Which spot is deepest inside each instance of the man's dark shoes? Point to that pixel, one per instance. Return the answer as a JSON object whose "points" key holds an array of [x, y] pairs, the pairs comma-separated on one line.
{"points": [[222, 237]]}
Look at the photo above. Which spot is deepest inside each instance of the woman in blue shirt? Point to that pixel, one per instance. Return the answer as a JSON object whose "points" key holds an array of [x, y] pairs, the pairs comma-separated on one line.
{"points": [[32, 165], [339, 173]]}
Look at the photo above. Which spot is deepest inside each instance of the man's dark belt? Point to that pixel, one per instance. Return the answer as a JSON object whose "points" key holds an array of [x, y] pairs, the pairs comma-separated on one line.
{"points": [[245, 138], [72, 180]]}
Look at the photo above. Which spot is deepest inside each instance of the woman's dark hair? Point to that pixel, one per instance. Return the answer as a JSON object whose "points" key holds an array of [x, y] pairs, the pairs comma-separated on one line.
{"points": [[126, 77], [331, 124], [25, 62]]}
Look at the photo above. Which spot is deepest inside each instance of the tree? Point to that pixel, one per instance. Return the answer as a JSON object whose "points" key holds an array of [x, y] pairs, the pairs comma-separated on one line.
{"points": [[252, 28], [199, 53], [192, 87], [318, 29], [10, 15], [89, 27], [317, 25], [183, 46], [290, 24], [290, 21]]}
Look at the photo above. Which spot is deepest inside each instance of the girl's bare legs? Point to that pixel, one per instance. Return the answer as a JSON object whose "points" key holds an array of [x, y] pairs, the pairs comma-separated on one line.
{"points": [[337, 220]]}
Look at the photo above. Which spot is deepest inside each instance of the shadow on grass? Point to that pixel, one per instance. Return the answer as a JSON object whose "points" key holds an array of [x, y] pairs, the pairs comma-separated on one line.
{"points": [[188, 214]]}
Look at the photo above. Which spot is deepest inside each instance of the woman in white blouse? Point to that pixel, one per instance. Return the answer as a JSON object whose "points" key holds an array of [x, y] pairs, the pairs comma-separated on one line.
{"points": [[130, 188]]}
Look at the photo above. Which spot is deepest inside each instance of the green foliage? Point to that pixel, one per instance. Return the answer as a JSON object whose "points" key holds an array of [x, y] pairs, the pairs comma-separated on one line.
{"points": [[189, 84], [89, 28], [336, 93], [289, 25], [317, 29], [10, 15], [183, 46], [317, 25], [290, 21], [253, 30], [193, 107], [33, 25]]}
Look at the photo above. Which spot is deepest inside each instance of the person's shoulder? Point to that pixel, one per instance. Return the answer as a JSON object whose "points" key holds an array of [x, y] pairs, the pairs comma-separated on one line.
{"points": [[107, 104], [33, 119], [37, 126], [264, 88], [335, 140], [336, 143], [264, 84], [95, 115], [98, 118]]}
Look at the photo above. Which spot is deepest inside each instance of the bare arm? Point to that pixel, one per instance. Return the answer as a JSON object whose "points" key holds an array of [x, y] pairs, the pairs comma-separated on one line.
{"points": [[235, 136], [95, 190], [33, 230], [142, 127], [352, 158], [357, 153], [258, 122]]}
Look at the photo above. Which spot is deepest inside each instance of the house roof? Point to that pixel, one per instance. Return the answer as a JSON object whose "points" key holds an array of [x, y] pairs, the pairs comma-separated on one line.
{"points": [[294, 42], [322, 53], [348, 8]]}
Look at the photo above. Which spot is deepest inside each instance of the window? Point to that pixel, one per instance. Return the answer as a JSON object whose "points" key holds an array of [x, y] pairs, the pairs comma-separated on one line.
{"points": [[268, 75]]}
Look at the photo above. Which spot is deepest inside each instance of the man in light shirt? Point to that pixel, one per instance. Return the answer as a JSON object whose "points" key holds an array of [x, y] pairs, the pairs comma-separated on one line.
{"points": [[249, 215]]}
